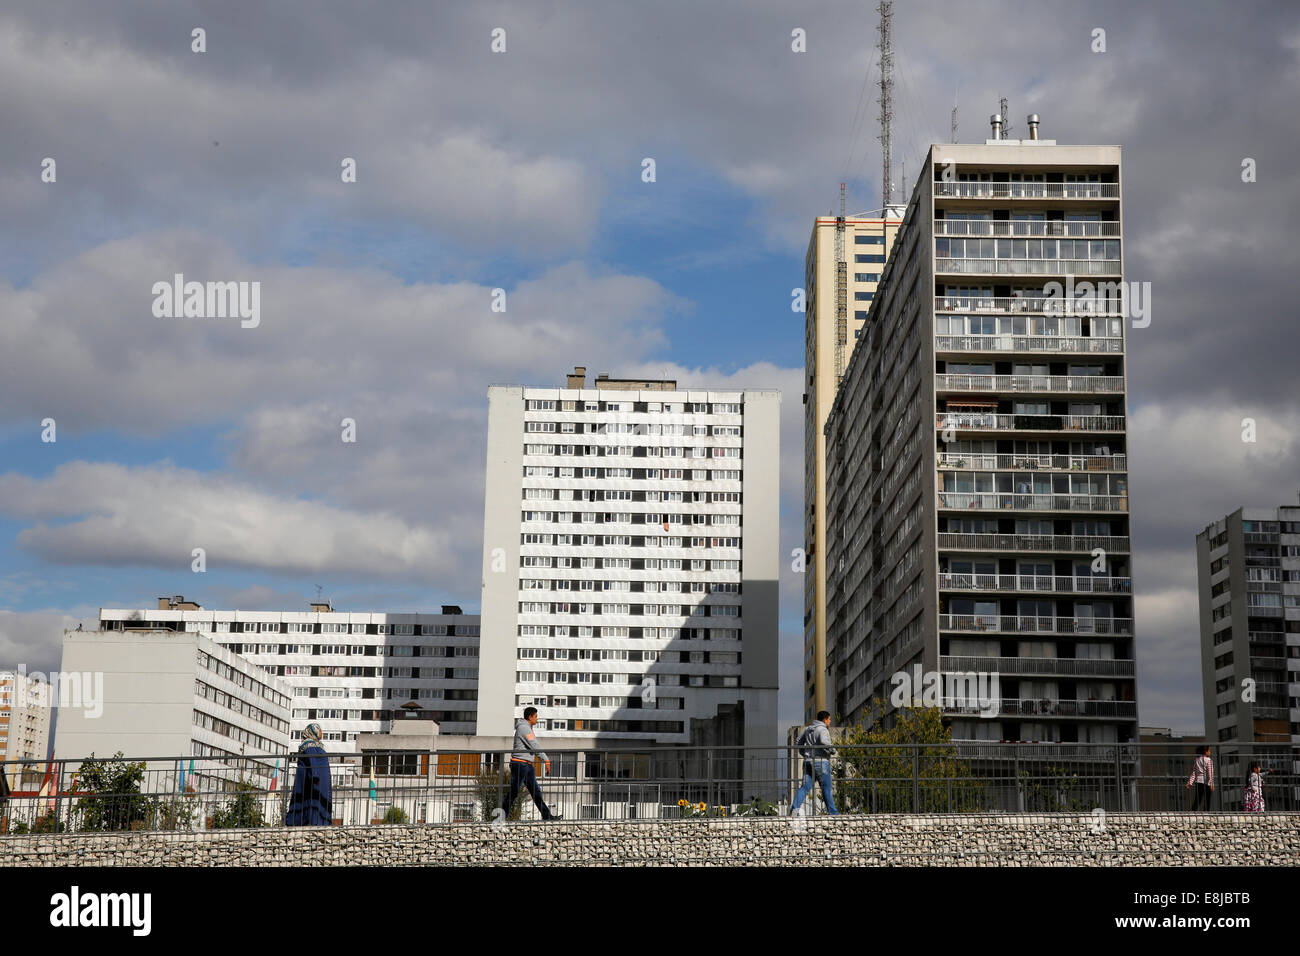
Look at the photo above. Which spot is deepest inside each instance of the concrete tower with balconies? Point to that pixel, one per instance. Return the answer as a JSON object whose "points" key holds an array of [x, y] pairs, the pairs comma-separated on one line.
{"points": [[977, 472]]}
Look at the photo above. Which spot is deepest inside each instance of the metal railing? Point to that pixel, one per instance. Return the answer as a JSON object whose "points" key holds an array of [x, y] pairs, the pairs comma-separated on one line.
{"points": [[1043, 707], [1030, 383], [1027, 267], [1037, 302], [1031, 502], [1013, 462], [1028, 343], [1028, 228], [1083, 584], [993, 421], [1047, 666], [983, 189], [1064, 543], [657, 783], [1029, 624]]}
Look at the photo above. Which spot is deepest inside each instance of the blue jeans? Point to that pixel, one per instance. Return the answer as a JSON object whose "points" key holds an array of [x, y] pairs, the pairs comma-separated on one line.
{"points": [[523, 775], [822, 770]]}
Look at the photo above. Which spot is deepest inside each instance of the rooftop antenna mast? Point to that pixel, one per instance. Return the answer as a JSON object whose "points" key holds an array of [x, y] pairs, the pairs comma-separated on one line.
{"points": [[1006, 118], [841, 294], [886, 10], [954, 124]]}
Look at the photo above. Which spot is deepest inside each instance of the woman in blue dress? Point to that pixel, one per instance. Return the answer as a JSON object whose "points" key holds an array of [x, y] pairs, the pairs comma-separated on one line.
{"points": [[311, 804]]}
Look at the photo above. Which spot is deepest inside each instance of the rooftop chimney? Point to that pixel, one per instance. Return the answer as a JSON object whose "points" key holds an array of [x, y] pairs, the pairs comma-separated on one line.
{"points": [[578, 377], [996, 122], [1033, 126]]}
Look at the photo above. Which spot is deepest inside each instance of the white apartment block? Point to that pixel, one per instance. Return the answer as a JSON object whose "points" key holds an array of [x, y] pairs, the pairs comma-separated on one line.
{"points": [[350, 672], [24, 725], [630, 561], [173, 694]]}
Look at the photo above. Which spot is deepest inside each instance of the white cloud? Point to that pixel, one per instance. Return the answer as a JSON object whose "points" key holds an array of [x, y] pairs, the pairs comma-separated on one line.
{"points": [[111, 515]]}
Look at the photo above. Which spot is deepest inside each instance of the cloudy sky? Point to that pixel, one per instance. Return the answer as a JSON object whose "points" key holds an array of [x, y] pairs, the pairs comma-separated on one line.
{"points": [[521, 170]]}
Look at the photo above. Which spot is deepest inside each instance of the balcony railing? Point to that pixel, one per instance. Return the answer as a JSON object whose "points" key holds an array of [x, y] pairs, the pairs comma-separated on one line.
{"points": [[1060, 543], [1023, 190], [993, 421], [1045, 305], [1029, 383], [997, 500], [1016, 624], [1028, 267], [1027, 343], [1266, 637], [1052, 666], [1045, 707], [1034, 462], [1026, 228], [1083, 584]]}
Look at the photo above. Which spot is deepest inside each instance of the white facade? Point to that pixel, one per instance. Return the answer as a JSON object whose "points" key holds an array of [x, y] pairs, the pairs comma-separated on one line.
{"points": [[170, 694], [24, 723], [630, 560], [350, 672]]}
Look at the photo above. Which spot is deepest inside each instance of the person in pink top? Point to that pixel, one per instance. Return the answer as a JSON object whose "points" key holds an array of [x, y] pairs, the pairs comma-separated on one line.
{"points": [[1203, 777]]}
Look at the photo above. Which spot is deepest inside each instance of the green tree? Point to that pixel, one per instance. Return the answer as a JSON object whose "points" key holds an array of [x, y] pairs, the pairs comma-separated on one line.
{"points": [[395, 815], [492, 788], [911, 765], [244, 811], [1054, 789], [111, 797]]}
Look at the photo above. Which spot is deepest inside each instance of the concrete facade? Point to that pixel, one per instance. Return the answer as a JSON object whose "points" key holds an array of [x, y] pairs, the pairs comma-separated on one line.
{"points": [[836, 304], [173, 694], [1248, 571], [350, 671], [585, 534], [977, 459], [25, 708]]}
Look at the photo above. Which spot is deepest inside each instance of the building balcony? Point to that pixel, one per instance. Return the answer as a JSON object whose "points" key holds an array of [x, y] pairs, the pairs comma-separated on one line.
{"points": [[1065, 384], [1027, 229], [1039, 304], [1043, 707], [1027, 267], [1026, 583], [1047, 666], [1015, 624], [1024, 190], [1011, 501], [1266, 637], [1033, 462], [992, 421], [1040, 543], [1028, 343]]}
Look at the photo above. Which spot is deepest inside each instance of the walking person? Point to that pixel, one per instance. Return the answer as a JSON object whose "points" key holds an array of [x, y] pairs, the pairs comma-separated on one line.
{"points": [[1253, 797], [522, 772], [1203, 777], [311, 804], [815, 748]]}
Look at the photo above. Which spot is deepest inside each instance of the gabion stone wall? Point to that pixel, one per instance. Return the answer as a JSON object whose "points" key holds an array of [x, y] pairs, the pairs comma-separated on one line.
{"points": [[1130, 839]]}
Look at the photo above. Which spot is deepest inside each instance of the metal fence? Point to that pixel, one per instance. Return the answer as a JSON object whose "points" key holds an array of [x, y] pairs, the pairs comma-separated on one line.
{"points": [[195, 793]]}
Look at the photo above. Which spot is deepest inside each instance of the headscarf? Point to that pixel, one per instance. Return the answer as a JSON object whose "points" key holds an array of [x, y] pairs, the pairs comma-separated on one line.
{"points": [[311, 737]]}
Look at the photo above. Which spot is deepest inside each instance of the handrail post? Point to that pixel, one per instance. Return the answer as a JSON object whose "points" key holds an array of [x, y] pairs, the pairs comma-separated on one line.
{"points": [[916, 781]]}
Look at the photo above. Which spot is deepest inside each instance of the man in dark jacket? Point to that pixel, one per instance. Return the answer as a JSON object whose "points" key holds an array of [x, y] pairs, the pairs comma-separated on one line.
{"points": [[311, 804], [522, 773], [815, 748]]}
